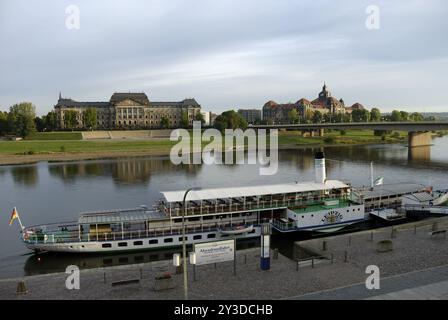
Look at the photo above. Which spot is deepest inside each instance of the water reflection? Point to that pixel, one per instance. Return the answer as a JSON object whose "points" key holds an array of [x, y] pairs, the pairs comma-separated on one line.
{"points": [[419, 154], [58, 262], [136, 171], [25, 175]]}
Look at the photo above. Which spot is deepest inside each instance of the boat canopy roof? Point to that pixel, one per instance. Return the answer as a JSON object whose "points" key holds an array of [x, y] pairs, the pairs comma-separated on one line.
{"points": [[393, 189], [252, 191], [119, 215]]}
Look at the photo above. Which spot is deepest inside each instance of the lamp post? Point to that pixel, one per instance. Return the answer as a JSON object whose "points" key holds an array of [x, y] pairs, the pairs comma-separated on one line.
{"points": [[184, 245]]}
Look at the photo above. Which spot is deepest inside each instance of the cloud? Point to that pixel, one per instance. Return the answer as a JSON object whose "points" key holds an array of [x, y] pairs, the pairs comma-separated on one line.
{"points": [[226, 54]]}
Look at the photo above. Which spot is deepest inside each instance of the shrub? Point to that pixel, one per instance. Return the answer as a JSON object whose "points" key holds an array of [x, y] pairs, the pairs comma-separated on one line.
{"points": [[329, 139]]}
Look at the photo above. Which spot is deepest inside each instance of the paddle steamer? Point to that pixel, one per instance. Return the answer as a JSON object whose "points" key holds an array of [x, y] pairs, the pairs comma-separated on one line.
{"points": [[207, 215]]}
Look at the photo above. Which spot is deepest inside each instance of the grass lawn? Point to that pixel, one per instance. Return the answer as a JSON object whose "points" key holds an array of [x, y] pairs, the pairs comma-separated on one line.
{"points": [[52, 146], [68, 142], [55, 136], [335, 137]]}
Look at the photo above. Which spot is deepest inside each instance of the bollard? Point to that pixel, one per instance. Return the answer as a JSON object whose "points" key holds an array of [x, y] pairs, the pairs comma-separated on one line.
{"points": [[415, 229], [324, 245], [21, 288], [215, 265], [434, 226], [104, 277], [345, 256], [141, 274], [178, 270], [312, 262], [392, 233], [371, 236], [297, 266], [275, 254], [245, 259]]}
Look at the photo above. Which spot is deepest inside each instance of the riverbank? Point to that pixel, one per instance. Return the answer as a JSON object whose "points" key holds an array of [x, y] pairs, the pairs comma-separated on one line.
{"points": [[32, 151], [417, 260]]}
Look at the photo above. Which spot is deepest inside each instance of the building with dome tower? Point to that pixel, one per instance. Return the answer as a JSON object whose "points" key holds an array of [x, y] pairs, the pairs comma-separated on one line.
{"points": [[324, 103]]}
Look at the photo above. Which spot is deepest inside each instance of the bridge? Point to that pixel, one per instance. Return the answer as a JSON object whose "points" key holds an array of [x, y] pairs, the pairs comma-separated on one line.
{"points": [[418, 132]]}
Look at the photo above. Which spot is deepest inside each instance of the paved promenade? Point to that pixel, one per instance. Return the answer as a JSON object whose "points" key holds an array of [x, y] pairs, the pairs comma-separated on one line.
{"points": [[416, 268]]}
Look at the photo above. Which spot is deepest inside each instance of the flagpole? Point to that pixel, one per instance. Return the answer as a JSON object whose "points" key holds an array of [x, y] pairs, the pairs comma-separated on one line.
{"points": [[18, 218]]}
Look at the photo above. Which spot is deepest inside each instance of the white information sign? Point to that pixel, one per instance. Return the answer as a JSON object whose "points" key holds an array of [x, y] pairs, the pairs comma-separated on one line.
{"points": [[213, 252]]}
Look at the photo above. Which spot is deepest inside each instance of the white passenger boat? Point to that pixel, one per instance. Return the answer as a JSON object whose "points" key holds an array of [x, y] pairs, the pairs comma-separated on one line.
{"points": [[208, 215]]}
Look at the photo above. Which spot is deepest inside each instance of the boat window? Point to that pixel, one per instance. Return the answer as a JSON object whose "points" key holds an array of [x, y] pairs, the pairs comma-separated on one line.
{"points": [[253, 231], [168, 240], [197, 237], [107, 245], [122, 244], [177, 220], [139, 258], [207, 217], [153, 241], [211, 235], [138, 243], [194, 219], [180, 239], [123, 260], [107, 261]]}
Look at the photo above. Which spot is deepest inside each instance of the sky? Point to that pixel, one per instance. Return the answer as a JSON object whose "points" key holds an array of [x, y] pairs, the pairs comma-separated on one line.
{"points": [[226, 54]]}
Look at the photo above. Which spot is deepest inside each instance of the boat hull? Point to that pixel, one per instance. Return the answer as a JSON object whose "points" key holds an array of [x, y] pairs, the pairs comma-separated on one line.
{"points": [[137, 244]]}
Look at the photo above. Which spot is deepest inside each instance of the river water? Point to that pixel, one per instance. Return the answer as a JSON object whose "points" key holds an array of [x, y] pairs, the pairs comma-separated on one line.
{"points": [[57, 192]]}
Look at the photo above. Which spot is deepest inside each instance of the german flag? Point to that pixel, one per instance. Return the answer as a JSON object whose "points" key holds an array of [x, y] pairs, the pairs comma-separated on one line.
{"points": [[14, 215]]}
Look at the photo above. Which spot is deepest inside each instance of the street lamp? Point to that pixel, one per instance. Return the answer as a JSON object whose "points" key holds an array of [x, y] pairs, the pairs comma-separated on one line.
{"points": [[184, 245]]}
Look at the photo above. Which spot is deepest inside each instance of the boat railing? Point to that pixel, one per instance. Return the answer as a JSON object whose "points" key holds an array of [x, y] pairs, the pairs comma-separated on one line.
{"points": [[68, 236], [282, 225], [253, 206]]}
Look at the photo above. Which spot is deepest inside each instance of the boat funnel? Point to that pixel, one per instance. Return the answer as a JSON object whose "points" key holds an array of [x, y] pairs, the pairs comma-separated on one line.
{"points": [[319, 167]]}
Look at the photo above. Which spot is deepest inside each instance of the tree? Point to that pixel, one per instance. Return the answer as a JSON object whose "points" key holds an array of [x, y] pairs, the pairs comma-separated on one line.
{"points": [[51, 121], [317, 117], [230, 120], [308, 115], [395, 116], [360, 115], [165, 123], [293, 116], [40, 123], [21, 119], [89, 117], [375, 115], [199, 117], [184, 123], [415, 116], [70, 119], [404, 116], [4, 127]]}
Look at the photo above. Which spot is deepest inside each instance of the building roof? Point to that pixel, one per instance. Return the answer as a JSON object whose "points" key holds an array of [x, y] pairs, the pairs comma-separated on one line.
{"points": [[303, 101], [251, 191], [357, 105], [179, 104], [63, 102], [139, 97]]}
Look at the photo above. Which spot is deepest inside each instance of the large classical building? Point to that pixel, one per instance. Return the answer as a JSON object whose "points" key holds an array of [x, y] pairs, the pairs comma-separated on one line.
{"points": [[128, 111], [324, 103]]}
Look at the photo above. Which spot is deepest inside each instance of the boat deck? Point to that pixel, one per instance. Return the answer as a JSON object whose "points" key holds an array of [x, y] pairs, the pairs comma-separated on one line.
{"points": [[319, 206]]}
